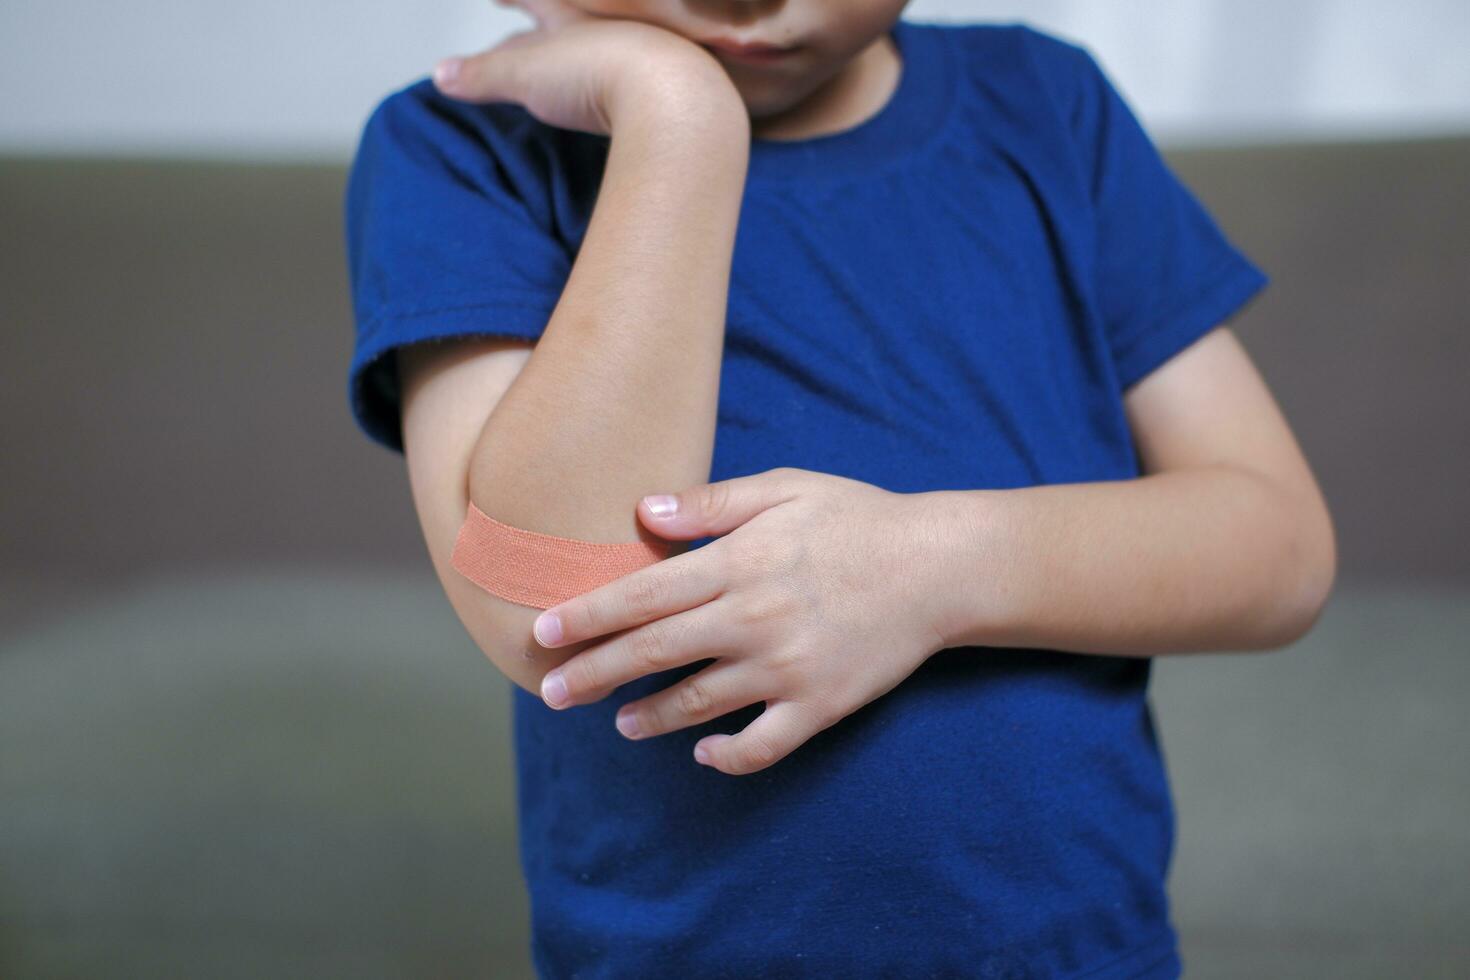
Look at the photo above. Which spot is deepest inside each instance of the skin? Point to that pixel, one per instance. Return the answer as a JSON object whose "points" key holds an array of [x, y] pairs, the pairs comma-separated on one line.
{"points": [[846, 70], [823, 593]]}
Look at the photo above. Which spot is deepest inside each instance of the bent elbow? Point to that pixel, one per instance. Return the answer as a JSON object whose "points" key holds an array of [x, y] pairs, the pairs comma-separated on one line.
{"points": [[1315, 573], [507, 641]]}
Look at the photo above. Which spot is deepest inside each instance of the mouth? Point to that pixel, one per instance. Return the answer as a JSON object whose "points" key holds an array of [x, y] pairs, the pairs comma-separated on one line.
{"points": [[749, 52]]}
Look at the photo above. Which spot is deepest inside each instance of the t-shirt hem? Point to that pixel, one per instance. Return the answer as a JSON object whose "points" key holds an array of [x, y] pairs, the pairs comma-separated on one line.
{"points": [[372, 385], [454, 310], [1156, 960]]}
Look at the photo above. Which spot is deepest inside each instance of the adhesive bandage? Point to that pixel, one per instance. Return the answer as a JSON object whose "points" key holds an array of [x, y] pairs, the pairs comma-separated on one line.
{"points": [[541, 570]]}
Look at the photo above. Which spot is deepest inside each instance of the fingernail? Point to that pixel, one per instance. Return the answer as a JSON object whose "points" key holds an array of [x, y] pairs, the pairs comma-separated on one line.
{"points": [[554, 689], [662, 505], [446, 72], [547, 629], [700, 755], [627, 724]]}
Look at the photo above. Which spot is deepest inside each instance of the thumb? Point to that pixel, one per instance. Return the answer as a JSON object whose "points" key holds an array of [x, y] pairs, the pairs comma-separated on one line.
{"points": [[712, 509]]}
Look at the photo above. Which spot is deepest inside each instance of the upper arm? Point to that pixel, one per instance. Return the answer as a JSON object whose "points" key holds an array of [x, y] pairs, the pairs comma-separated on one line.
{"points": [[449, 390], [449, 227], [455, 268], [1208, 405]]}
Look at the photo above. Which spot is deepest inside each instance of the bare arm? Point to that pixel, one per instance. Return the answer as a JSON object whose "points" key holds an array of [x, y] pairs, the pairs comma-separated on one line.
{"points": [[1224, 544], [618, 398]]}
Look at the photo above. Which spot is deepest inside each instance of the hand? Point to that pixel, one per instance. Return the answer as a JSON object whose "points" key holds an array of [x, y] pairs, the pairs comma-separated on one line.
{"points": [[820, 597], [574, 69]]}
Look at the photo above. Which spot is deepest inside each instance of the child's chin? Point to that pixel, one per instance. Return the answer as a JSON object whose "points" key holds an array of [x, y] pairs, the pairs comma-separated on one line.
{"points": [[764, 102]]}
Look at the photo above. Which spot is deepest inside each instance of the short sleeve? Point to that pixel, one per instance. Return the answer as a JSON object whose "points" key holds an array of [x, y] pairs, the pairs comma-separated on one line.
{"points": [[1165, 272], [448, 233]]}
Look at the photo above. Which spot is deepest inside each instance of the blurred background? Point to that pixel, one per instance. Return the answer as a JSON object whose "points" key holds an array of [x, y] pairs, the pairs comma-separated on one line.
{"points": [[242, 732]]}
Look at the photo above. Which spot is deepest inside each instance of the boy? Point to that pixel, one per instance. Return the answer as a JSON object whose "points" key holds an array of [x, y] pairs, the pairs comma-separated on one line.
{"points": [[926, 345]]}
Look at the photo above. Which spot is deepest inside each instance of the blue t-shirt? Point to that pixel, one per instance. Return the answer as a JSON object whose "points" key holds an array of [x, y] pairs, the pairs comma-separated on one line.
{"points": [[953, 294]]}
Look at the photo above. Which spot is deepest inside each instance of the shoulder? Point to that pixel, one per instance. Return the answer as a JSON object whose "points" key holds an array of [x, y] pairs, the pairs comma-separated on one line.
{"points": [[1016, 61], [1015, 44], [419, 121], [419, 148]]}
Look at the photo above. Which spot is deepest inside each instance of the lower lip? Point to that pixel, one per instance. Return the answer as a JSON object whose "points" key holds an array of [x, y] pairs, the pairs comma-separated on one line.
{"points": [[772, 57]]}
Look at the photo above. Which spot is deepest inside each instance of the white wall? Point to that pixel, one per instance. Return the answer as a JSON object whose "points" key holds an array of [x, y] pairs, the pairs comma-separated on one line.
{"points": [[294, 79]]}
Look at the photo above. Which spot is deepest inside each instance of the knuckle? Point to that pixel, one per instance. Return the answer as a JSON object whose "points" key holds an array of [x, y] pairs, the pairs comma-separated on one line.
{"points": [[583, 676], [786, 662], [721, 560], [792, 477], [695, 698], [643, 595], [715, 569], [818, 711], [795, 551], [757, 752], [583, 617], [714, 500], [764, 607], [746, 610], [646, 647]]}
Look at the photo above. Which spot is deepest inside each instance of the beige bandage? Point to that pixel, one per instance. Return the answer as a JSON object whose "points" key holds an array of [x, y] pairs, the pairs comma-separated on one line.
{"points": [[541, 570]]}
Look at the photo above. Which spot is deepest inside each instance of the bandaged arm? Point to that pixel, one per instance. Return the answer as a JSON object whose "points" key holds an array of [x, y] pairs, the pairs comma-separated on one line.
{"points": [[541, 570], [617, 399]]}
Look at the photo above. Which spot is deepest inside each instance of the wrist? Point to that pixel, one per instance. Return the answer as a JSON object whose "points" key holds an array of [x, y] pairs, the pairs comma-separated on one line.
{"points": [[690, 97], [975, 597]]}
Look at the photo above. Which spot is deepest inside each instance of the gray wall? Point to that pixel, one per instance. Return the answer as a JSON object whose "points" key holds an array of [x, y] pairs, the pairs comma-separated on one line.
{"points": [[178, 335]]}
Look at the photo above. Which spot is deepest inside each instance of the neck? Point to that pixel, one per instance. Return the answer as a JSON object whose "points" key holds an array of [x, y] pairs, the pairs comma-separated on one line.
{"points": [[854, 94]]}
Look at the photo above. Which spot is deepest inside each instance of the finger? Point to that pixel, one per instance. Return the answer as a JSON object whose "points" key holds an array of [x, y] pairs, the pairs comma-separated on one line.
{"points": [[718, 508], [492, 75], [719, 689], [774, 734], [652, 592], [672, 641]]}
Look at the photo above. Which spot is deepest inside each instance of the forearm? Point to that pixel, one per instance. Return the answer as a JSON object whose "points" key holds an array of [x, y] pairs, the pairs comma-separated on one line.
{"points": [[1211, 558], [619, 397]]}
